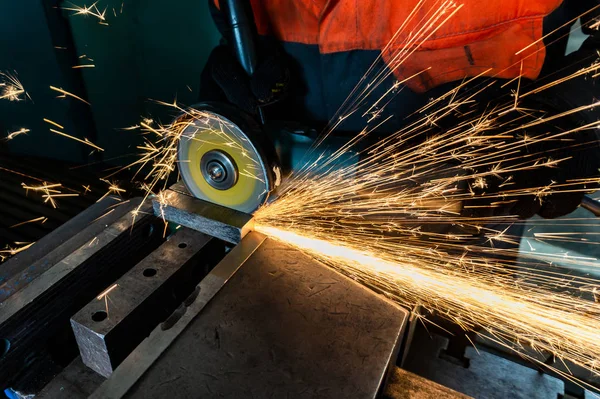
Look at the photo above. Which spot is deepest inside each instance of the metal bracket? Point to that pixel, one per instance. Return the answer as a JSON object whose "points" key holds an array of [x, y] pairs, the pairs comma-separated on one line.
{"points": [[113, 324]]}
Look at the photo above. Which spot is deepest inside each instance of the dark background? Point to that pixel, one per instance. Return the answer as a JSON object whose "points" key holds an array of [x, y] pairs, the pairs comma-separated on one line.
{"points": [[154, 49], [150, 50]]}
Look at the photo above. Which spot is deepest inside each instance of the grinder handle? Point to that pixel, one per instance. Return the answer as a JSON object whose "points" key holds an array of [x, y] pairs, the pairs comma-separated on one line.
{"points": [[243, 31]]}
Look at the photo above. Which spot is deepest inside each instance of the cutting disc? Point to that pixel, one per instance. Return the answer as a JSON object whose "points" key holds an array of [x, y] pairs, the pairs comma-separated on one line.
{"points": [[221, 163]]}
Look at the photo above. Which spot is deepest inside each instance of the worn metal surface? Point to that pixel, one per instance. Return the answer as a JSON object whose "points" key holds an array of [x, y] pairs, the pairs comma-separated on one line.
{"points": [[149, 351], [111, 326], [76, 381], [21, 269], [560, 369], [284, 326], [42, 309], [406, 385], [218, 221]]}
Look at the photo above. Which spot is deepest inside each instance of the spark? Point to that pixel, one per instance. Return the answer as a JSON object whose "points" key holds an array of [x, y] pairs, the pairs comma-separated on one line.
{"points": [[568, 23], [85, 10], [50, 192], [40, 219], [159, 154], [53, 123], [480, 183], [16, 133], [547, 321], [103, 215], [83, 141], [104, 295], [44, 187], [11, 88], [113, 188], [515, 93], [9, 251], [372, 221], [84, 66], [20, 174], [66, 93], [107, 291]]}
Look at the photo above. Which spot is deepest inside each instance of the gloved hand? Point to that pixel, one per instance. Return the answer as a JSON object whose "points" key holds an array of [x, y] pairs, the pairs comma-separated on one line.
{"points": [[267, 85], [549, 191], [565, 182], [571, 178]]}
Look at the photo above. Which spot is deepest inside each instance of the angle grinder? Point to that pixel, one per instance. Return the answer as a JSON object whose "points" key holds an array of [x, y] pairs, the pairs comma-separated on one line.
{"points": [[224, 156]]}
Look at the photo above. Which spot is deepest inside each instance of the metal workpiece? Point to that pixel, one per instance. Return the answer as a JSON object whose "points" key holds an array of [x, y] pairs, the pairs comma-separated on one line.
{"points": [[406, 385], [43, 308], [116, 321], [224, 223], [284, 325], [151, 349]]}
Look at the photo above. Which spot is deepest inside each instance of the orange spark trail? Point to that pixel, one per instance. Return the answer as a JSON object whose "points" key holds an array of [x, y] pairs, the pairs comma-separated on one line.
{"points": [[84, 141], [66, 93]]}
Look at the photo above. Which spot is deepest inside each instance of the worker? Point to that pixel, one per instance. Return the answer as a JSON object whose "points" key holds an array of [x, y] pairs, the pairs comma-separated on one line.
{"points": [[314, 52]]}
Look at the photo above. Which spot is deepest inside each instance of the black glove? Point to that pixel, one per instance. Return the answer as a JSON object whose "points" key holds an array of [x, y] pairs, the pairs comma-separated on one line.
{"points": [[565, 182], [267, 85], [583, 149], [570, 179]]}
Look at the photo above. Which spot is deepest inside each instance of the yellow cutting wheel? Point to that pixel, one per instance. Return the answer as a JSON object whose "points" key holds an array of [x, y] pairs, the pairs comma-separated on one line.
{"points": [[220, 164]]}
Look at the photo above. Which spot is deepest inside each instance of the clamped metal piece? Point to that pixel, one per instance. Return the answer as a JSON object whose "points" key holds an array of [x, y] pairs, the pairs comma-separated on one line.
{"points": [[178, 206]]}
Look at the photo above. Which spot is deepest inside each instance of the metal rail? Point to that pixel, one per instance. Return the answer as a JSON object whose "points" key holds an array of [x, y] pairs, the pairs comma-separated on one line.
{"points": [[591, 205], [144, 356]]}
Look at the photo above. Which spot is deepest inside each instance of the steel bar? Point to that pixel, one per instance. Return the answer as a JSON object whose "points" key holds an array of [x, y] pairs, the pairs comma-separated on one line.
{"points": [[114, 323], [19, 271], [224, 223], [148, 352], [43, 308], [49, 242]]}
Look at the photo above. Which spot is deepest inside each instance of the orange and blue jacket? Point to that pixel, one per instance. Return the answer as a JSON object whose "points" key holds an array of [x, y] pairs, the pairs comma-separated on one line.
{"points": [[332, 43]]}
